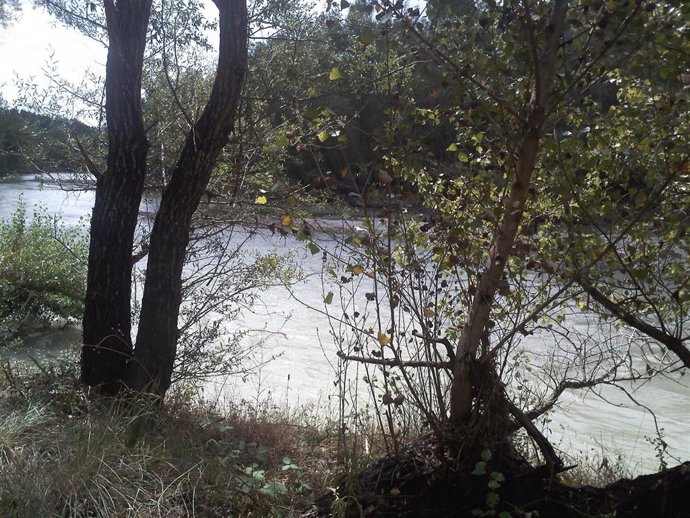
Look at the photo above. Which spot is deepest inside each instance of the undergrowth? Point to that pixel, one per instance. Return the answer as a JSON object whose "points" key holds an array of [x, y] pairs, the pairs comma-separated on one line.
{"points": [[64, 454]]}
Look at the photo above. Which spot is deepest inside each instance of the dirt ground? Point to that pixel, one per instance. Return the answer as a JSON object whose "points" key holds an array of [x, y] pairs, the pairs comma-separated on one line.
{"points": [[419, 484]]}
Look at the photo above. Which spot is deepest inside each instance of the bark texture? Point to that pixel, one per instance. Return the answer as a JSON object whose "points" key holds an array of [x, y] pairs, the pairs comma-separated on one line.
{"points": [[107, 312], [108, 356], [157, 335]]}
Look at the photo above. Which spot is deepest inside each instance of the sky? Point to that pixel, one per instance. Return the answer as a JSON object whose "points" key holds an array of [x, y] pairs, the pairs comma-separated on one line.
{"points": [[29, 44]]}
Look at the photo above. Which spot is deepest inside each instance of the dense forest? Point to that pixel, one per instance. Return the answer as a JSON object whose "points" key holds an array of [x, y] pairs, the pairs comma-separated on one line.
{"points": [[514, 166], [33, 143]]}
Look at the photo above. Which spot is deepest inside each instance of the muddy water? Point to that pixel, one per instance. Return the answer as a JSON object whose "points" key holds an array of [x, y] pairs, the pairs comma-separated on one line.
{"points": [[584, 423]]}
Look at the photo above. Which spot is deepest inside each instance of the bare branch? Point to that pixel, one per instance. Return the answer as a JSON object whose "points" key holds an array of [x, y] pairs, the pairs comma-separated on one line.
{"points": [[394, 362], [673, 343]]}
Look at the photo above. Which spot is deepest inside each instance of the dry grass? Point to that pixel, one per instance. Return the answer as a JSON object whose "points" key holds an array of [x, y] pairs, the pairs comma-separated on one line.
{"points": [[62, 454]]}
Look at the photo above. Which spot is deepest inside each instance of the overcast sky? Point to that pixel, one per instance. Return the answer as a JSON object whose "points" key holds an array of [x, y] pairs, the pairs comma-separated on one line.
{"points": [[26, 47]]}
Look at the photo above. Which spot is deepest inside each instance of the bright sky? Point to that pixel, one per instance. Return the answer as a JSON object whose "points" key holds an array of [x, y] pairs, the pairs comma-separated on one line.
{"points": [[26, 47]]}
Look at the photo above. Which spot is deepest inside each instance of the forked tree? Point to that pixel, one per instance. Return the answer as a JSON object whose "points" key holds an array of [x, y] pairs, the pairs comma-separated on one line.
{"points": [[110, 358]]}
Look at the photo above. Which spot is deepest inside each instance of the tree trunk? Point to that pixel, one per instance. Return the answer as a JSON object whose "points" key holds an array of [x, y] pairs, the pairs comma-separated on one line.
{"points": [[107, 342], [156, 342], [462, 389]]}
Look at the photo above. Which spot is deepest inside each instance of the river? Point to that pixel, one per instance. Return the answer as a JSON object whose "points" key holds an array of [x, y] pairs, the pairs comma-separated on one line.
{"points": [[582, 424]]}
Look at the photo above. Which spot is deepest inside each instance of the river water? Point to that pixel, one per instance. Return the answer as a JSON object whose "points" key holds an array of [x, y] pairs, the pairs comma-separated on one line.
{"points": [[582, 424]]}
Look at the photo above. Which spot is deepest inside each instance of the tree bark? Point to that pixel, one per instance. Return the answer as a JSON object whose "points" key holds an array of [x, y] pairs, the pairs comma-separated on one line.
{"points": [[462, 388], [157, 336], [107, 342]]}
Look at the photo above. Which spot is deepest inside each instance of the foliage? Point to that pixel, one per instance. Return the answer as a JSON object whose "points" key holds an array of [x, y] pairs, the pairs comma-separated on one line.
{"points": [[8, 8], [43, 265], [602, 228], [30, 142]]}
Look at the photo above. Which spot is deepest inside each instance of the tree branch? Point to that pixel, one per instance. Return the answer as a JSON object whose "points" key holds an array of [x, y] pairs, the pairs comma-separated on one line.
{"points": [[394, 362], [673, 343]]}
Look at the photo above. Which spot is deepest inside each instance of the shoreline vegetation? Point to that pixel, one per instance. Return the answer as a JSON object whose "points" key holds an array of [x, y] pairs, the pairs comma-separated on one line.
{"points": [[521, 174], [64, 454]]}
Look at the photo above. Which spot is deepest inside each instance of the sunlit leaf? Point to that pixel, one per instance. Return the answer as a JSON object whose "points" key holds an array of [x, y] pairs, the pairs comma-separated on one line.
{"points": [[358, 269], [334, 74]]}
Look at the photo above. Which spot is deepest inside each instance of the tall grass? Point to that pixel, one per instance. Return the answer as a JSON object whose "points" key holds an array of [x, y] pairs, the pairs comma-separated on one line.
{"points": [[64, 455]]}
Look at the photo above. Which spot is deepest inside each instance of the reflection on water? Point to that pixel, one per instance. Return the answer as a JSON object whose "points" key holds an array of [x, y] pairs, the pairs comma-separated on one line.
{"points": [[584, 422]]}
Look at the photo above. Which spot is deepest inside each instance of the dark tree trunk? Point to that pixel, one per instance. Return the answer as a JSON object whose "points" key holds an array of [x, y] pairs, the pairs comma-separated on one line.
{"points": [[464, 365], [107, 320], [158, 332]]}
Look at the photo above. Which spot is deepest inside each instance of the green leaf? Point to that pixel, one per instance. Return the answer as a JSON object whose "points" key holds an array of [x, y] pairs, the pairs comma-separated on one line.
{"points": [[328, 298], [367, 37], [313, 248], [498, 476], [492, 499], [273, 489], [479, 468], [334, 74], [323, 136]]}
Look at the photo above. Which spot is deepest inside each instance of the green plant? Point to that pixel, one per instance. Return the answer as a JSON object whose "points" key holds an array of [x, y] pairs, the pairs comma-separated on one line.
{"points": [[43, 270]]}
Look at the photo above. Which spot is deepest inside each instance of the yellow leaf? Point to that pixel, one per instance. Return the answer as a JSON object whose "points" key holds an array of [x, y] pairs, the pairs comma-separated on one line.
{"points": [[428, 312], [323, 136], [286, 221], [334, 75], [261, 200], [369, 274], [452, 147], [358, 269], [384, 339]]}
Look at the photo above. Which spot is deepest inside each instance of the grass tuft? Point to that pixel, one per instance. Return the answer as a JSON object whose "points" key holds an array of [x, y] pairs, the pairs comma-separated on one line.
{"points": [[62, 454]]}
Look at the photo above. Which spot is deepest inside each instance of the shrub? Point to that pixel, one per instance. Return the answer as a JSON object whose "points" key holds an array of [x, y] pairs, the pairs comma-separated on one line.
{"points": [[42, 271]]}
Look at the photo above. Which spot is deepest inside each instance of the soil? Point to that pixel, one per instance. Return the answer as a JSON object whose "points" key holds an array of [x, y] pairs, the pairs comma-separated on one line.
{"points": [[420, 483]]}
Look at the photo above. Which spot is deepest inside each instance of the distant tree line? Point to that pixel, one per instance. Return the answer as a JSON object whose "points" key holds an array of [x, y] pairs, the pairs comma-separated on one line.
{"points": [[32, 143]]}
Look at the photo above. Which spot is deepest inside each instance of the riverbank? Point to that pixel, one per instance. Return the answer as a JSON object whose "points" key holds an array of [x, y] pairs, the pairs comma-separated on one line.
{"points": [[64, 455]]}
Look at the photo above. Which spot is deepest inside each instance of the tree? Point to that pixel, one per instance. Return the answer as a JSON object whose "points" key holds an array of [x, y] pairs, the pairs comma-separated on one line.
{"points": [[563, 167], [109, 357], [7, 11]]}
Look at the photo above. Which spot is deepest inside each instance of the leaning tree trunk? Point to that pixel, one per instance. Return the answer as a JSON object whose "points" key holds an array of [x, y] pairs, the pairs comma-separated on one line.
{"points": [[156, 342], [462, 385], [107, 320]]}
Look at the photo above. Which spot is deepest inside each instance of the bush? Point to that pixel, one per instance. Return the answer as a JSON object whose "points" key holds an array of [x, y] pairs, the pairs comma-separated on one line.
{"points": [[42, 271]]}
